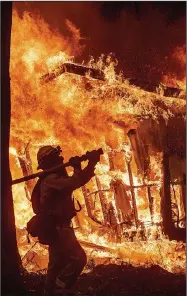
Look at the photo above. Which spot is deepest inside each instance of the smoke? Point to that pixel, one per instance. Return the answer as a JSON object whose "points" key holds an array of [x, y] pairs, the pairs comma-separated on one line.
{"points": [[145, 43]]}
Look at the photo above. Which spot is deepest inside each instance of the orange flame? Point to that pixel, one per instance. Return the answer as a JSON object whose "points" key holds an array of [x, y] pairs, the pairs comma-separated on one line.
{"points": [[178, 55], [66, 111]]}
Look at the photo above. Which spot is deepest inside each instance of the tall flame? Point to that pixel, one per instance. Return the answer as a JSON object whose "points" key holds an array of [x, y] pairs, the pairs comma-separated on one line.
{"points": [[178, 55], [81, 114]]}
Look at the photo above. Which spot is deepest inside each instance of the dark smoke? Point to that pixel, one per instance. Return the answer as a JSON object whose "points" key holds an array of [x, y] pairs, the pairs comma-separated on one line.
{"points": [[142, 35]]}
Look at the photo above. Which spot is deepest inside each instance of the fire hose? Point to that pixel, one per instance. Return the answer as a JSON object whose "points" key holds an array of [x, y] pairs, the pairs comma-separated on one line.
{"points": [[84, 157]]}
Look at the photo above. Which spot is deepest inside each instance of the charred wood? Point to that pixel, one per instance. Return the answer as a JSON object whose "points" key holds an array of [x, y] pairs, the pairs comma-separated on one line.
{"points": [[150, 198], [168, 225], [183, 191], [111, 161], [94, 246], [132, 194], [121, 200], [139, 151], [82, 70], [76, 218], [87, 202], [26, 166], [166, 206], [112, 216], [151, 87], [102, 200], [75, 69]]}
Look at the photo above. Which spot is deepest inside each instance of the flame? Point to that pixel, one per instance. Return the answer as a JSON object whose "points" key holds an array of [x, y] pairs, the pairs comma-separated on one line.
{"points": [[179, 55], [82, 114], [12, 151]]}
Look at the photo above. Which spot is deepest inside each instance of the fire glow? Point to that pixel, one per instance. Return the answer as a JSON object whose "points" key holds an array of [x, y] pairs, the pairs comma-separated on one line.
{"points": [[81, 113]]}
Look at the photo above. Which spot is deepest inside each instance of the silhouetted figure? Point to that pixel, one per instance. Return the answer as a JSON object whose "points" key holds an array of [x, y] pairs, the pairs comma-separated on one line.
{"points": [[66, 257]]}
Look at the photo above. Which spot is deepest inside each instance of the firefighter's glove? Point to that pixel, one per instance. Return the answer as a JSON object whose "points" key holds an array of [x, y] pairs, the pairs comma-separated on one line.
{"points": [[93, 156], [75, 162]]}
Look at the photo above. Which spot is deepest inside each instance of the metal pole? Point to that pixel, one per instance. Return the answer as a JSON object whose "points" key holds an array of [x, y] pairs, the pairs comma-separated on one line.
{"points": [[40, 174], [49, 171]]}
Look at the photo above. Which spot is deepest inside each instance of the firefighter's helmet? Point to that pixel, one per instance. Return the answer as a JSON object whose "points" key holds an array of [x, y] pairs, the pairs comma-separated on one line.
{"points": [[46, 151]]}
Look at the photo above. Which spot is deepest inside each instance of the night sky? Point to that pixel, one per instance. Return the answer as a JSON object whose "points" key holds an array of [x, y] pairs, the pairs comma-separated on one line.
{"points": [[142, 35]]}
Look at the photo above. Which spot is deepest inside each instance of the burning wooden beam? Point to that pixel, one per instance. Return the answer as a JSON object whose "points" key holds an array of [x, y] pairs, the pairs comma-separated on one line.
{"points": [[94, 246], [103, 201], [121, 200], [153, 87], [178, 200], [113, 188], [111, 161], [87, 202], [132, 193], [76, 222], [166, 198], [26, 166], [82, 70], [180, 191], [75, 69], [175, 204], [112, 216], [138, 151], [151, 199], [183, 192]]}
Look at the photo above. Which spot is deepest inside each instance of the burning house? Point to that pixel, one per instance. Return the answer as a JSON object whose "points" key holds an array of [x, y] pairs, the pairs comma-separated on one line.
{"points": [[134, 209]]}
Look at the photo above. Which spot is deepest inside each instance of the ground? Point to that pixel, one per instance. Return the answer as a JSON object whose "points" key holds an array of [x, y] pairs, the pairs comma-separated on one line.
{"points": [[119, 280]]}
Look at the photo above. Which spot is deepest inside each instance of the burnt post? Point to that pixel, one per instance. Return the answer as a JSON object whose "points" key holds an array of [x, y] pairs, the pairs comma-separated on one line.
{"points": [[132, 193], [183, 191], [102, 200], [111, 161], [150, 198], [166, 202], [111, 216], [26, 166], [75, 218], [112, 167], [142, 160], [75, 69], [137, 151], [87, 202], [166, 198]]}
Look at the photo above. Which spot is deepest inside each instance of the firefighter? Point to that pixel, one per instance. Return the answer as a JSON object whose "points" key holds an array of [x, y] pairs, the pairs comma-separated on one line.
{"points": [[66, 257]]}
